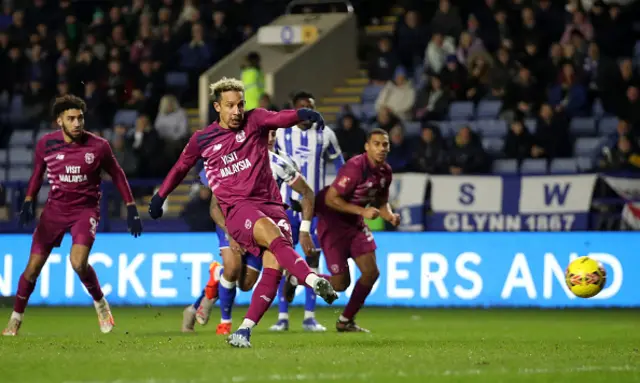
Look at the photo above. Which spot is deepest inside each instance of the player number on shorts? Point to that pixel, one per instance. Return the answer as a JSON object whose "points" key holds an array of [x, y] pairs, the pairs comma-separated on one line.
{"points": [[284, 226], [94, 226], [368, 233]]}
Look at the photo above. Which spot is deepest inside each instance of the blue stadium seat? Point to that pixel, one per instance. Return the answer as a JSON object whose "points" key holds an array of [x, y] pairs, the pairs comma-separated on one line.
{"points": [[531, 124], [534, 166], [19, 174], [585, 164], [564, 165], [455, 126], [179, 80], [583, 126], [369, 111], [490, 128], [370, 93], [597, 110], [461, 110], [586, 146], [412, 128], [20, 156], [493, 146], [41, 133], [125, 117], [3, 157], [506, 166], [488, 109], [16, 114], [21, 138], [608, 125]]}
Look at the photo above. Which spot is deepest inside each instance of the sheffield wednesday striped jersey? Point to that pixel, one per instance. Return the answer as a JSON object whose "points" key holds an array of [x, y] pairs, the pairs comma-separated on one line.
{"points": [[309, 149]]}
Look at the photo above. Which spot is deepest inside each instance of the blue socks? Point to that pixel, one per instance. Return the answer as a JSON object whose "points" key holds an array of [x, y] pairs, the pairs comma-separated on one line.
{"points": [[227, 295], [309, 301]]}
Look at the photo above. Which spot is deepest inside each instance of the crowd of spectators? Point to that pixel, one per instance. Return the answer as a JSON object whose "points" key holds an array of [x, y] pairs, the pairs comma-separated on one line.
{"points": [[543, 61]]}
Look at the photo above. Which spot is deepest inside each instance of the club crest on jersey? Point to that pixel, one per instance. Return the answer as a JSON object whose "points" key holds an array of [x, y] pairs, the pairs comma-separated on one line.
{"points": [[247, 224], [240, 136], [89, 158], [344, 181]]}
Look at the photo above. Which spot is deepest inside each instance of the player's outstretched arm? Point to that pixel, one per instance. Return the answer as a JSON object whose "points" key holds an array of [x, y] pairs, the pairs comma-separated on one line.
{"points": [[287, 118], [178, 172], [27, 213], [112, 167]]}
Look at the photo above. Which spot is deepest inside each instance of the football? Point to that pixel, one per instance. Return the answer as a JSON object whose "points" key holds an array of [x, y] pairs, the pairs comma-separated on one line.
{"points": [[585, 277]]}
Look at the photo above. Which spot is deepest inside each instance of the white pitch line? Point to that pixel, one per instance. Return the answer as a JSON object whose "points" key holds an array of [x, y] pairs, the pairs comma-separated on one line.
{"points": [[366, 376]]}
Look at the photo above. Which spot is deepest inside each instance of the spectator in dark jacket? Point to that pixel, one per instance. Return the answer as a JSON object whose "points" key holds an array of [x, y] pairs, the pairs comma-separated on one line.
{"points": [[552, 133], [432, 101], [383, 62], [429, 153], [519, 143], [466, 155], [399, 157], [623, 157], [351, 137], [569, 96], [196, 212]]}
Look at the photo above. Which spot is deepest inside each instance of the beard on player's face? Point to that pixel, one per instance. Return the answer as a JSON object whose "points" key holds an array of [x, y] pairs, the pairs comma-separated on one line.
{"points": [[71, 131]]}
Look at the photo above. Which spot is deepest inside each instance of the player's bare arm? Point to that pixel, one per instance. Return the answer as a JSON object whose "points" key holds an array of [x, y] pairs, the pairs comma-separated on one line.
{"points": [[386, 212], [300, 186], [336, 202]]}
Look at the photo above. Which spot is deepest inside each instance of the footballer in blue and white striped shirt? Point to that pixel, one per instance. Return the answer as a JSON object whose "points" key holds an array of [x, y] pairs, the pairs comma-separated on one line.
{"points": [[310, 149]]}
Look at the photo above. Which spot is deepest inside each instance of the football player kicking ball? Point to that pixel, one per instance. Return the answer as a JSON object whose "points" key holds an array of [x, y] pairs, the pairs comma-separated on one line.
{"points": [[236, 161], [341, 208], [244, 274], [74, 160]]}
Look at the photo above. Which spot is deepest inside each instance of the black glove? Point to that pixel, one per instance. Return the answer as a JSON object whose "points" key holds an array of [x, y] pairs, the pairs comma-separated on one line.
{"points": [[27, 213], [133, 221], [155, 206], [312, 116]]}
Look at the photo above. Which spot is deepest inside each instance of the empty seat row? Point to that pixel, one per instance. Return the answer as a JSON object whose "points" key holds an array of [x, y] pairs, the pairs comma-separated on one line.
{"points": [[542, 166]]}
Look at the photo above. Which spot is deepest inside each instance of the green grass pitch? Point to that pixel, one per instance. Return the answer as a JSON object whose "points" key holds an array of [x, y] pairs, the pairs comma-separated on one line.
{"points": [[406, 345]]}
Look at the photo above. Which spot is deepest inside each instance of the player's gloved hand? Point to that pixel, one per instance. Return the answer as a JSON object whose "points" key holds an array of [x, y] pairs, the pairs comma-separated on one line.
{"points": [[133, 221], [27, 213], [312, 116], [155, 206]]}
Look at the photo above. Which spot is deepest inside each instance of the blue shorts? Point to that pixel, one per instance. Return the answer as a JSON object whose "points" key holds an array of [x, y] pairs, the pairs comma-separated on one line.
{"points": [[248, 259], [295, 218]]}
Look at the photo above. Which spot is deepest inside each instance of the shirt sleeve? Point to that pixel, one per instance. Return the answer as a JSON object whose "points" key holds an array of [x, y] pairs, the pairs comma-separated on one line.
{"points": [[187, 160], [110, 165], [347, 179], [39, 167], [263, 120], [333, 149]]}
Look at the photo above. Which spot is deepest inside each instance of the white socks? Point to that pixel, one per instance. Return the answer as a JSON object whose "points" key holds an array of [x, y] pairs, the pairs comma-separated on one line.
{"points": [[226, 284], [17, 316], [344, 319], [309, 314], [311, 279], [247, 323], [283, 316]]}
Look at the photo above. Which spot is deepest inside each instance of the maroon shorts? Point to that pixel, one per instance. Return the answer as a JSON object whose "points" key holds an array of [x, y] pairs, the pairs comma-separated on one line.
{"points": [[342, 240], [53, 224], [243, 217]]}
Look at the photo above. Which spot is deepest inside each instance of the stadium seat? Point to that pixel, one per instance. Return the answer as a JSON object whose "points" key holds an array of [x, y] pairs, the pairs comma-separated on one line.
{"points": [[531, 124], [412, 129], [20, 156], [3, 157], [41, 133], [534, 166], [607, 125], [564, 165], [21, 138], [370, 93], [177, 80], [461, 110], [125, 117], [585, 164], [583, 126], [19, 174], [490, 128], [369, 111], [597, 110], [488, 109], [16, 114], [506, 166], [454, 126], [586, 146], [493, 146]]}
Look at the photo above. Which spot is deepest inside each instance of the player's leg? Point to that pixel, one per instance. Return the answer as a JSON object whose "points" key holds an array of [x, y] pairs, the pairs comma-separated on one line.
{"points": [[286, 290], [264, 293], [47, 235], [83, 233], [363, 252], [310, 323], [268, 235], [251, 272], [204, 304]]}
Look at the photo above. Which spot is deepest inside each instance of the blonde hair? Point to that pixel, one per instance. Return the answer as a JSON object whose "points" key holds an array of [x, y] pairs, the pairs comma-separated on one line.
{"points": [[225, 85], [165, 102]]}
